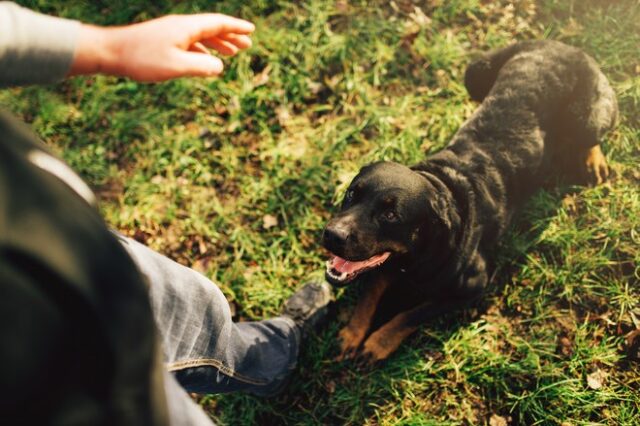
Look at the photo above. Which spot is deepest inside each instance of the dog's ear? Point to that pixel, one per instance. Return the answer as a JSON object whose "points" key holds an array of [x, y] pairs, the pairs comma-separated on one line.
{"points": [[441, 212], [437, 220]]}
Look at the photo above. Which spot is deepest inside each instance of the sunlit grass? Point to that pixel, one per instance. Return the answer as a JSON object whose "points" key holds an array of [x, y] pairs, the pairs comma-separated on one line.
{"points": [[192, 167]]}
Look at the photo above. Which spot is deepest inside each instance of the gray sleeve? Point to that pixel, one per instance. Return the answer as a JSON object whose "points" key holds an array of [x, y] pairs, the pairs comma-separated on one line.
{"points": [[34, 48]]}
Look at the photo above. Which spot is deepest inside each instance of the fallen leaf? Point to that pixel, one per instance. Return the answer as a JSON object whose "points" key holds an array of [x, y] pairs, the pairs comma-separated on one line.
{"points": [[596, 379], [269, 221], [633, 345], [202, 247], [407, 40], [314, 87], [565, 346], [263, 77], [497, 420], [201, 265], [221, 110], [283, 115], [331, 387], [419, 18]]}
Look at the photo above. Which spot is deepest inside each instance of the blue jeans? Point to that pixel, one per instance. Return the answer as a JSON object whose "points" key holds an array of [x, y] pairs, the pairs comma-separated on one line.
{"points": [[204, 350]]}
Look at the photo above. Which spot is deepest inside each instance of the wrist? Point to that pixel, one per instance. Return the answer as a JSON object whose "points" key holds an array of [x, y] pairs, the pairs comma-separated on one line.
{"points": [[96, 51]]}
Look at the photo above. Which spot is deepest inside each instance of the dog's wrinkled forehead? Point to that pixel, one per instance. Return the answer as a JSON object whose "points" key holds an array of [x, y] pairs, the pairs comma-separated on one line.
{"points": [[387, 176]]}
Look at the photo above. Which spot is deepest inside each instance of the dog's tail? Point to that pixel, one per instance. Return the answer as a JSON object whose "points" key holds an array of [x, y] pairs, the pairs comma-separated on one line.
{"points": [[481, 74]]}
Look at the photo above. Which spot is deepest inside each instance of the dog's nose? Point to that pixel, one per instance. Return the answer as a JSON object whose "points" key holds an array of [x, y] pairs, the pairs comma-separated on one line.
{"points": [[335, 236]]}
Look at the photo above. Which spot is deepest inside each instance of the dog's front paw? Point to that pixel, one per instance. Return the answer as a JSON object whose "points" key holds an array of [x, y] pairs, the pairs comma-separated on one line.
{"points": [[378, 347], [350, 341]]}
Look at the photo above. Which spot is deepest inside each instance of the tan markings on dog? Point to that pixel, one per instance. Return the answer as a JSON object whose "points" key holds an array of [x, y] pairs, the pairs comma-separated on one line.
{"points": [[596, 163], [396, 247], [352, 335], [387, 201], [384, 341]]}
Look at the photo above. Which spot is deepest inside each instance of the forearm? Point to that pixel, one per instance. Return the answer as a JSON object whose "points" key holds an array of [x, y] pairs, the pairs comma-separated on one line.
{"points": [[34, 48]]}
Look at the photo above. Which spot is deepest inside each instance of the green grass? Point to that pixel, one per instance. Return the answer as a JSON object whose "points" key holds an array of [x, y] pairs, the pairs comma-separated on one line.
{"points": [[192, 167]]}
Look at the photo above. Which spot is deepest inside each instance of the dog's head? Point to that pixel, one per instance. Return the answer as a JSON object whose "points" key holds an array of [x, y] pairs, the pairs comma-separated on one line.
{"points": [[388, 211]]}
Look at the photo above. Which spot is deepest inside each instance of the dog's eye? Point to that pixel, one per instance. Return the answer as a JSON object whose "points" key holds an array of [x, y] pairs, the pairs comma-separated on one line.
{"points": [[349, 195], [390, 216]]}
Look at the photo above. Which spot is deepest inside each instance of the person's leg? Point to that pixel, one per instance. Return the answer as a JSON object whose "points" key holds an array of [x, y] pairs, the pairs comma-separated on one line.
{"points": [[182, 410], [203, 347]]}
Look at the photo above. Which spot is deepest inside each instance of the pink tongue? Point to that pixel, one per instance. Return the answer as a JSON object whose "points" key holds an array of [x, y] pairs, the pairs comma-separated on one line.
{"points": [[342, 265]]}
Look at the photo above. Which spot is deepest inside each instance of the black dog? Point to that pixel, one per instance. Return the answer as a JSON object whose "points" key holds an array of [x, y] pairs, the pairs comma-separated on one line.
{"points": [[430, 230]]}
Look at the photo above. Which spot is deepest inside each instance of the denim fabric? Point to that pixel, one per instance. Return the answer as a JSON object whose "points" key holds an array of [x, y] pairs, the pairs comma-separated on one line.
{"points": [[204, 349], [183, 411]]}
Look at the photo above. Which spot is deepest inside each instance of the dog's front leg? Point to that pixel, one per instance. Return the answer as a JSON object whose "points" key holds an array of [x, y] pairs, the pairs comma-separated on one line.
{"points": [[384, 341], [353, 334]]}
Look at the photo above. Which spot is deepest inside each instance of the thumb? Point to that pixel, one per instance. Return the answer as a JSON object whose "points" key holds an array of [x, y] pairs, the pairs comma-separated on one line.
{"points": [[198, 64]]}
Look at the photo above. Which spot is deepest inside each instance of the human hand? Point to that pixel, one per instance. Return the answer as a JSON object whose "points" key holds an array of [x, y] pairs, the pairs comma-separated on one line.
{"points": [[161, 49]]}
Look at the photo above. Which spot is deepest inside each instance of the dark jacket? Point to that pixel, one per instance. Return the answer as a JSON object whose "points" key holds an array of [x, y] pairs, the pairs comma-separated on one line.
{"points": [[78, 343]]}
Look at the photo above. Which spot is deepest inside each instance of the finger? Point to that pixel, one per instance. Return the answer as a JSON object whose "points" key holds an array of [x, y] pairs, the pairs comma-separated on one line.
{"points": [[199, 48], [212, 24], [198, 64], [241, 41], [221, 46]]}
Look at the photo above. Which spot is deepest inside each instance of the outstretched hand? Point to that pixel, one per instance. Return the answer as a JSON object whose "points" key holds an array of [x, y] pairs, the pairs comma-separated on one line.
{"points": [[161, 49]]}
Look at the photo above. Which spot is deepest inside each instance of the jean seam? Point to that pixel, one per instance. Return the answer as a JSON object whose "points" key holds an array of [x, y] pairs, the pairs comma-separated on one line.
{"points": [[212, 362]]}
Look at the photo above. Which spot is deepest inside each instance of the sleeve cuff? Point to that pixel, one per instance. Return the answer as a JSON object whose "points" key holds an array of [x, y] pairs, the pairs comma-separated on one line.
{"points": [[34, 48]]}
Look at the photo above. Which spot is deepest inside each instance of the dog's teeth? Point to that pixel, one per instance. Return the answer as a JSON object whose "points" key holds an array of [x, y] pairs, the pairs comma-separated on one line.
{"points": [[340, 277]]}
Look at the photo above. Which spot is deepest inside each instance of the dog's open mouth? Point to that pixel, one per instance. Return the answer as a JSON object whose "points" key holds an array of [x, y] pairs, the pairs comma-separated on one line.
{"points": [[341, 271]]}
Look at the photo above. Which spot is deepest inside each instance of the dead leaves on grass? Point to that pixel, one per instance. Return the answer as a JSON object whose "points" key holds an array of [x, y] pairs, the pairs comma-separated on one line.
{"points": [[596, 379], [269, 221], [633, 345], [496, 420]]}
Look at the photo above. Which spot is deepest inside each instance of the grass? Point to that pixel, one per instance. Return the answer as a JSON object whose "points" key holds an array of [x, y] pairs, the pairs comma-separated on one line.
{"points": [[197, 168]]}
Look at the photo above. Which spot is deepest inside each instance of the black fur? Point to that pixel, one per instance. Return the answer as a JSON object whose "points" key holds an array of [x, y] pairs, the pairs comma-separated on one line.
{"points": [[544, 106]]}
